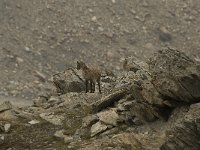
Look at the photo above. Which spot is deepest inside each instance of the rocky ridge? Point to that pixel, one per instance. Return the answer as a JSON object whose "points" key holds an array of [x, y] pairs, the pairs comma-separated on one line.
{"points": [[156, 106]]}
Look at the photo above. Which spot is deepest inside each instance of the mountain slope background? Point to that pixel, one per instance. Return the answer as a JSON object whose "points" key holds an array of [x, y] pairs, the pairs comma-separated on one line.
{"points": [[46, 36]]}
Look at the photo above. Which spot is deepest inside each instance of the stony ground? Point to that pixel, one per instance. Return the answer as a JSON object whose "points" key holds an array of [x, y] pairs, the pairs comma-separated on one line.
{"points": [[155, 108], [43, 37], [32, 137]]}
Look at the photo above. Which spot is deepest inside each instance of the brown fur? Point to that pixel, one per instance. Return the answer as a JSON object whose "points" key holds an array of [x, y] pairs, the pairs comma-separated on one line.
{"points": [[91, 75]]}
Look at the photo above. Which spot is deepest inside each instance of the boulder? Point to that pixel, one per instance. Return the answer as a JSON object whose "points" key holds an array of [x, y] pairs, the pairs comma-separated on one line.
{"points": [[175, 76], [89, 120], [40, 101], [68, 81], [109, 117], [72, 99], [7, 127], [108, 100], [149, 94], [8, 115], [60, 134], [143, 111], [5, 106], [185, 134], [98, 128], [32, 122], [54, 119]]}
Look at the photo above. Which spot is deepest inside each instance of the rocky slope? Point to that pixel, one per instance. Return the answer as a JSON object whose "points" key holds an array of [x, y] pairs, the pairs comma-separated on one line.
{"points": [[136, 110]]}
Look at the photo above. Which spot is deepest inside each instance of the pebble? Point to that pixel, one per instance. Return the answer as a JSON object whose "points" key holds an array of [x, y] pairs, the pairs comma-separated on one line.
{"points": [[27, 49], [94, 18], [2, 137], [7, 127], [33, 122], [100, 29]]}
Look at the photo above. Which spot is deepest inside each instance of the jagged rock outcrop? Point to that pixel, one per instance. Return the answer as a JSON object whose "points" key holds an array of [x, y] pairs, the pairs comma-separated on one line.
{"points": [[186, 133], [109, 117], [68, 81], [5, 106], [175, 76], [173, 79], [120, 117], [108, 100]]}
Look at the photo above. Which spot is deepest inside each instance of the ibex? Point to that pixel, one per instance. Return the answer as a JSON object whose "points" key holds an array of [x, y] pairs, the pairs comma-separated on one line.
{"points": [[91, 76]]}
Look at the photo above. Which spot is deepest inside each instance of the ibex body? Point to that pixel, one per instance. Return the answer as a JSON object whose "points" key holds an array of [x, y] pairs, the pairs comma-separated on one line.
{"points": [[91, 76]]}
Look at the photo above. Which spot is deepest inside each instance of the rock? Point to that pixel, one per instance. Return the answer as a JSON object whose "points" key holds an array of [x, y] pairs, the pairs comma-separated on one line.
{"points": [[164, 34], [137, 121], [110, 132], [8, 115], [34, 122], [5, 106], [150, 94], [107, 79], [120, 107], [60, 135], [89, 120], [27, 49], [81, 134], [108, 100], [186, 133], [55, 100], [98, 128], [113, 1], [125, 117], [2, 138], [73, 99], [40, 101], [7, 127], [100, 29], [94, 19], [19, 60], [197, 58], [68, 139], [125, 80], [175, 76], [23, 114], [149, 46], [1, 127], [127, 104], [124, 141], [109, 117], [68, 81], [54, 119], [127, 138], [171, 78], [40, 76], [136, 72], [145, 112], [193, 113], [126, 98]]}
